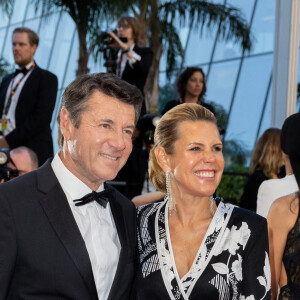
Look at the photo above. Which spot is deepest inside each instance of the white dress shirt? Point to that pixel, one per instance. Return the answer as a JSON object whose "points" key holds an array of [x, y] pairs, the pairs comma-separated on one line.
{"points": [[96, 226], [10, 117], [272, 189]]}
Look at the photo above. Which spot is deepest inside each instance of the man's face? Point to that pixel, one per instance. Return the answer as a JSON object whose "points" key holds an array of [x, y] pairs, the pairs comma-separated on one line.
{"points": [[100, 146], [22, 50]]}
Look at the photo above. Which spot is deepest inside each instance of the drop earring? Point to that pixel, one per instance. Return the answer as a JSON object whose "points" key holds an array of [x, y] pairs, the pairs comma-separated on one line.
{"points": [[171, 200]]}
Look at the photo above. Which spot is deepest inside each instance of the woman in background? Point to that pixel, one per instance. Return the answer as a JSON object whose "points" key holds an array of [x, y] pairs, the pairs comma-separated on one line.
{"points": [[192, 246], [191, 87], [265, 164], [284, 222]]}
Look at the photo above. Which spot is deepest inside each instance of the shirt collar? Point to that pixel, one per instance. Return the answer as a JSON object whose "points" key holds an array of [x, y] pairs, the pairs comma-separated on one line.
{"points": [[73, 187]]}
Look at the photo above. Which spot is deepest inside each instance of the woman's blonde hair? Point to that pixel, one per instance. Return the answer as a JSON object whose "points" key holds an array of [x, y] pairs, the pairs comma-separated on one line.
{"points": [[267, 154], [166, 134]]}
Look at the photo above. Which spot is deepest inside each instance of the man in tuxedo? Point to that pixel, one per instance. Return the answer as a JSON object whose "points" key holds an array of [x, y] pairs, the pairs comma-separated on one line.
{"points": [[65, 233], [27, 99]]}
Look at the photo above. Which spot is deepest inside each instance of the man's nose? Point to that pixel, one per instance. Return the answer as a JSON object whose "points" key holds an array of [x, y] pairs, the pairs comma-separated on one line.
{"points": [[117, 140]]}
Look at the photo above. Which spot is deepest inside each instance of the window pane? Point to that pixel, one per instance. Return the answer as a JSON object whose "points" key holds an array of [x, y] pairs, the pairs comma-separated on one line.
{"points": [[221, 81], [33, 24], [62, 46], [263, 26], [18, 11], [200, 47], [3, 18], [32, 12], [266, 121], [73, 63], [226, 50], [46, 34], [249, 99]]}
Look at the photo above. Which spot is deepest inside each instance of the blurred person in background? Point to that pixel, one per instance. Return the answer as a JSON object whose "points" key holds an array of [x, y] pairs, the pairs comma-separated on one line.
{"points": [[133, 62], [191, 87], [27, 99], [284, 222], [25, 160], [265, 164]]}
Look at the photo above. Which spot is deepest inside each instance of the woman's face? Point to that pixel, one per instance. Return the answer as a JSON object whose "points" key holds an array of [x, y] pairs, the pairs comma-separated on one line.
{"points": [[197, 162], [194, 85], [125, 30]]}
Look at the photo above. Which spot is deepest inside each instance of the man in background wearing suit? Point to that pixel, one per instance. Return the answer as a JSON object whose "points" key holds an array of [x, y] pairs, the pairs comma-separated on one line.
{"points": [[65, 233], [27, 100]]}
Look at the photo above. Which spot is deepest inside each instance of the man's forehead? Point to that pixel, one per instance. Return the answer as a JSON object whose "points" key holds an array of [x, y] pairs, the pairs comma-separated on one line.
{"points": [[20, 36], [108, 107]]}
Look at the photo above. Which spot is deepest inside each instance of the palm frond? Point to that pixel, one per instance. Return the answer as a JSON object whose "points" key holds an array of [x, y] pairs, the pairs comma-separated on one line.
{"points": [[232, 25], [172, 45]]}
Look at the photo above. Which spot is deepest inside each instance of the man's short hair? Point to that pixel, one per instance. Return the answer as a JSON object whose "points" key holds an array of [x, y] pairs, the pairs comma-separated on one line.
{"points": [[77, 94], [32, 36]]}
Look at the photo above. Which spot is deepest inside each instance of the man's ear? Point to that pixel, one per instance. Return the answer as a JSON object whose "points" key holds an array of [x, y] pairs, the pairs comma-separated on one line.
{"points": [[66, 126], [162, 158]]}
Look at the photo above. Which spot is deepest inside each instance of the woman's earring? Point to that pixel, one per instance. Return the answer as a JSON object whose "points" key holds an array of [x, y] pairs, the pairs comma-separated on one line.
{"points": [[171, 200]]}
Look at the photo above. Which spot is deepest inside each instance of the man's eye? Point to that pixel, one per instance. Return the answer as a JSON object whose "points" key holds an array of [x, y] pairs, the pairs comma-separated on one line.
{"points": [[105, 125], [128, 131]]}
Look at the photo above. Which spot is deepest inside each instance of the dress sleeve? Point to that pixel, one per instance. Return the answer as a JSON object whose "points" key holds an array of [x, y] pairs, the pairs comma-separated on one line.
{"points": [[256, 283]]}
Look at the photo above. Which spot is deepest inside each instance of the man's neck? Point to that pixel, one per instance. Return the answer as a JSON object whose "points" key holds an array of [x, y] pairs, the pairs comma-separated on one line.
{"points": [[26, 65]]}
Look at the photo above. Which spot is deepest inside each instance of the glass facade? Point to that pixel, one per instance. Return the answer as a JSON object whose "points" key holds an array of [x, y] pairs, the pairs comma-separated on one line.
{"points": [[240, 82]]}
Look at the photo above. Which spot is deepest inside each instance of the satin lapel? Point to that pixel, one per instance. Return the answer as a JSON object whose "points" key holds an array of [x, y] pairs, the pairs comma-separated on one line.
{"points": [[29, 84], [118, 215], [61, 218]]}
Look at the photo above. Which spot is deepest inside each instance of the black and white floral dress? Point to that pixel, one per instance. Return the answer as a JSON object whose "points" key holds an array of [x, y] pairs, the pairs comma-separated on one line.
{"points": [[232, 261]]}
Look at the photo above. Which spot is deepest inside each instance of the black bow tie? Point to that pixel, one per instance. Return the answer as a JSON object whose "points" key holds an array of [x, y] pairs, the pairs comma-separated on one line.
{"points": [[101, 197], [24, 71]]}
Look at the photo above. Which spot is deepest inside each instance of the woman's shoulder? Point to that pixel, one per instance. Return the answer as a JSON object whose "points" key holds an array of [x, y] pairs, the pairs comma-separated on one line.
{"points": [[284, 206], [248, 216]]}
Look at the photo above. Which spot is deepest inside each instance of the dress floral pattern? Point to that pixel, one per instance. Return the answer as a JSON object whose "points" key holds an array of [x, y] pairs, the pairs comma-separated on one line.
{"points": [[232, 262]]}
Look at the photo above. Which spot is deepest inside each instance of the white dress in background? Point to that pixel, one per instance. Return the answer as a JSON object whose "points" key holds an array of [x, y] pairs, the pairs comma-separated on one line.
{"points": [[272, 189]]}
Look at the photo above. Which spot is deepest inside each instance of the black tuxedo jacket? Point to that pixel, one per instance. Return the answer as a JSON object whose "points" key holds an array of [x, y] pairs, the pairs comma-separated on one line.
{"points": [[33, 112], [137, 74], [42, 253]]}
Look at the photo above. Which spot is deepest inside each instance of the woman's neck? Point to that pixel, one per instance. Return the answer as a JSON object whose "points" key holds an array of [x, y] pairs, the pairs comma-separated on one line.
{"points": [[187, 211], [190, 99], [130, 43]]}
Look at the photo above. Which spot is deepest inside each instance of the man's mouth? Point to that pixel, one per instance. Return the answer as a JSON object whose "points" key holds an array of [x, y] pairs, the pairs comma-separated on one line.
{"points": [[109, 157]]}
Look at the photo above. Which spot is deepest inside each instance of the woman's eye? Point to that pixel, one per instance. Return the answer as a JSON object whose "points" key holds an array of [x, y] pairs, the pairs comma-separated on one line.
{"points": [[218, 148], [195, 149]]}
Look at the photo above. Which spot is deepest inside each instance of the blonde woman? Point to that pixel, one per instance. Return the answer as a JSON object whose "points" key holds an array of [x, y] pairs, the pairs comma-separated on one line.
{"points": [[265, 164], [193, 246]]}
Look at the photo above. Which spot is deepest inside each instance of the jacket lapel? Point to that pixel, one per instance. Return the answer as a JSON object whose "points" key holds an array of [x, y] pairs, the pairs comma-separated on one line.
{"points": [[118, 215], [60, 216]]}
